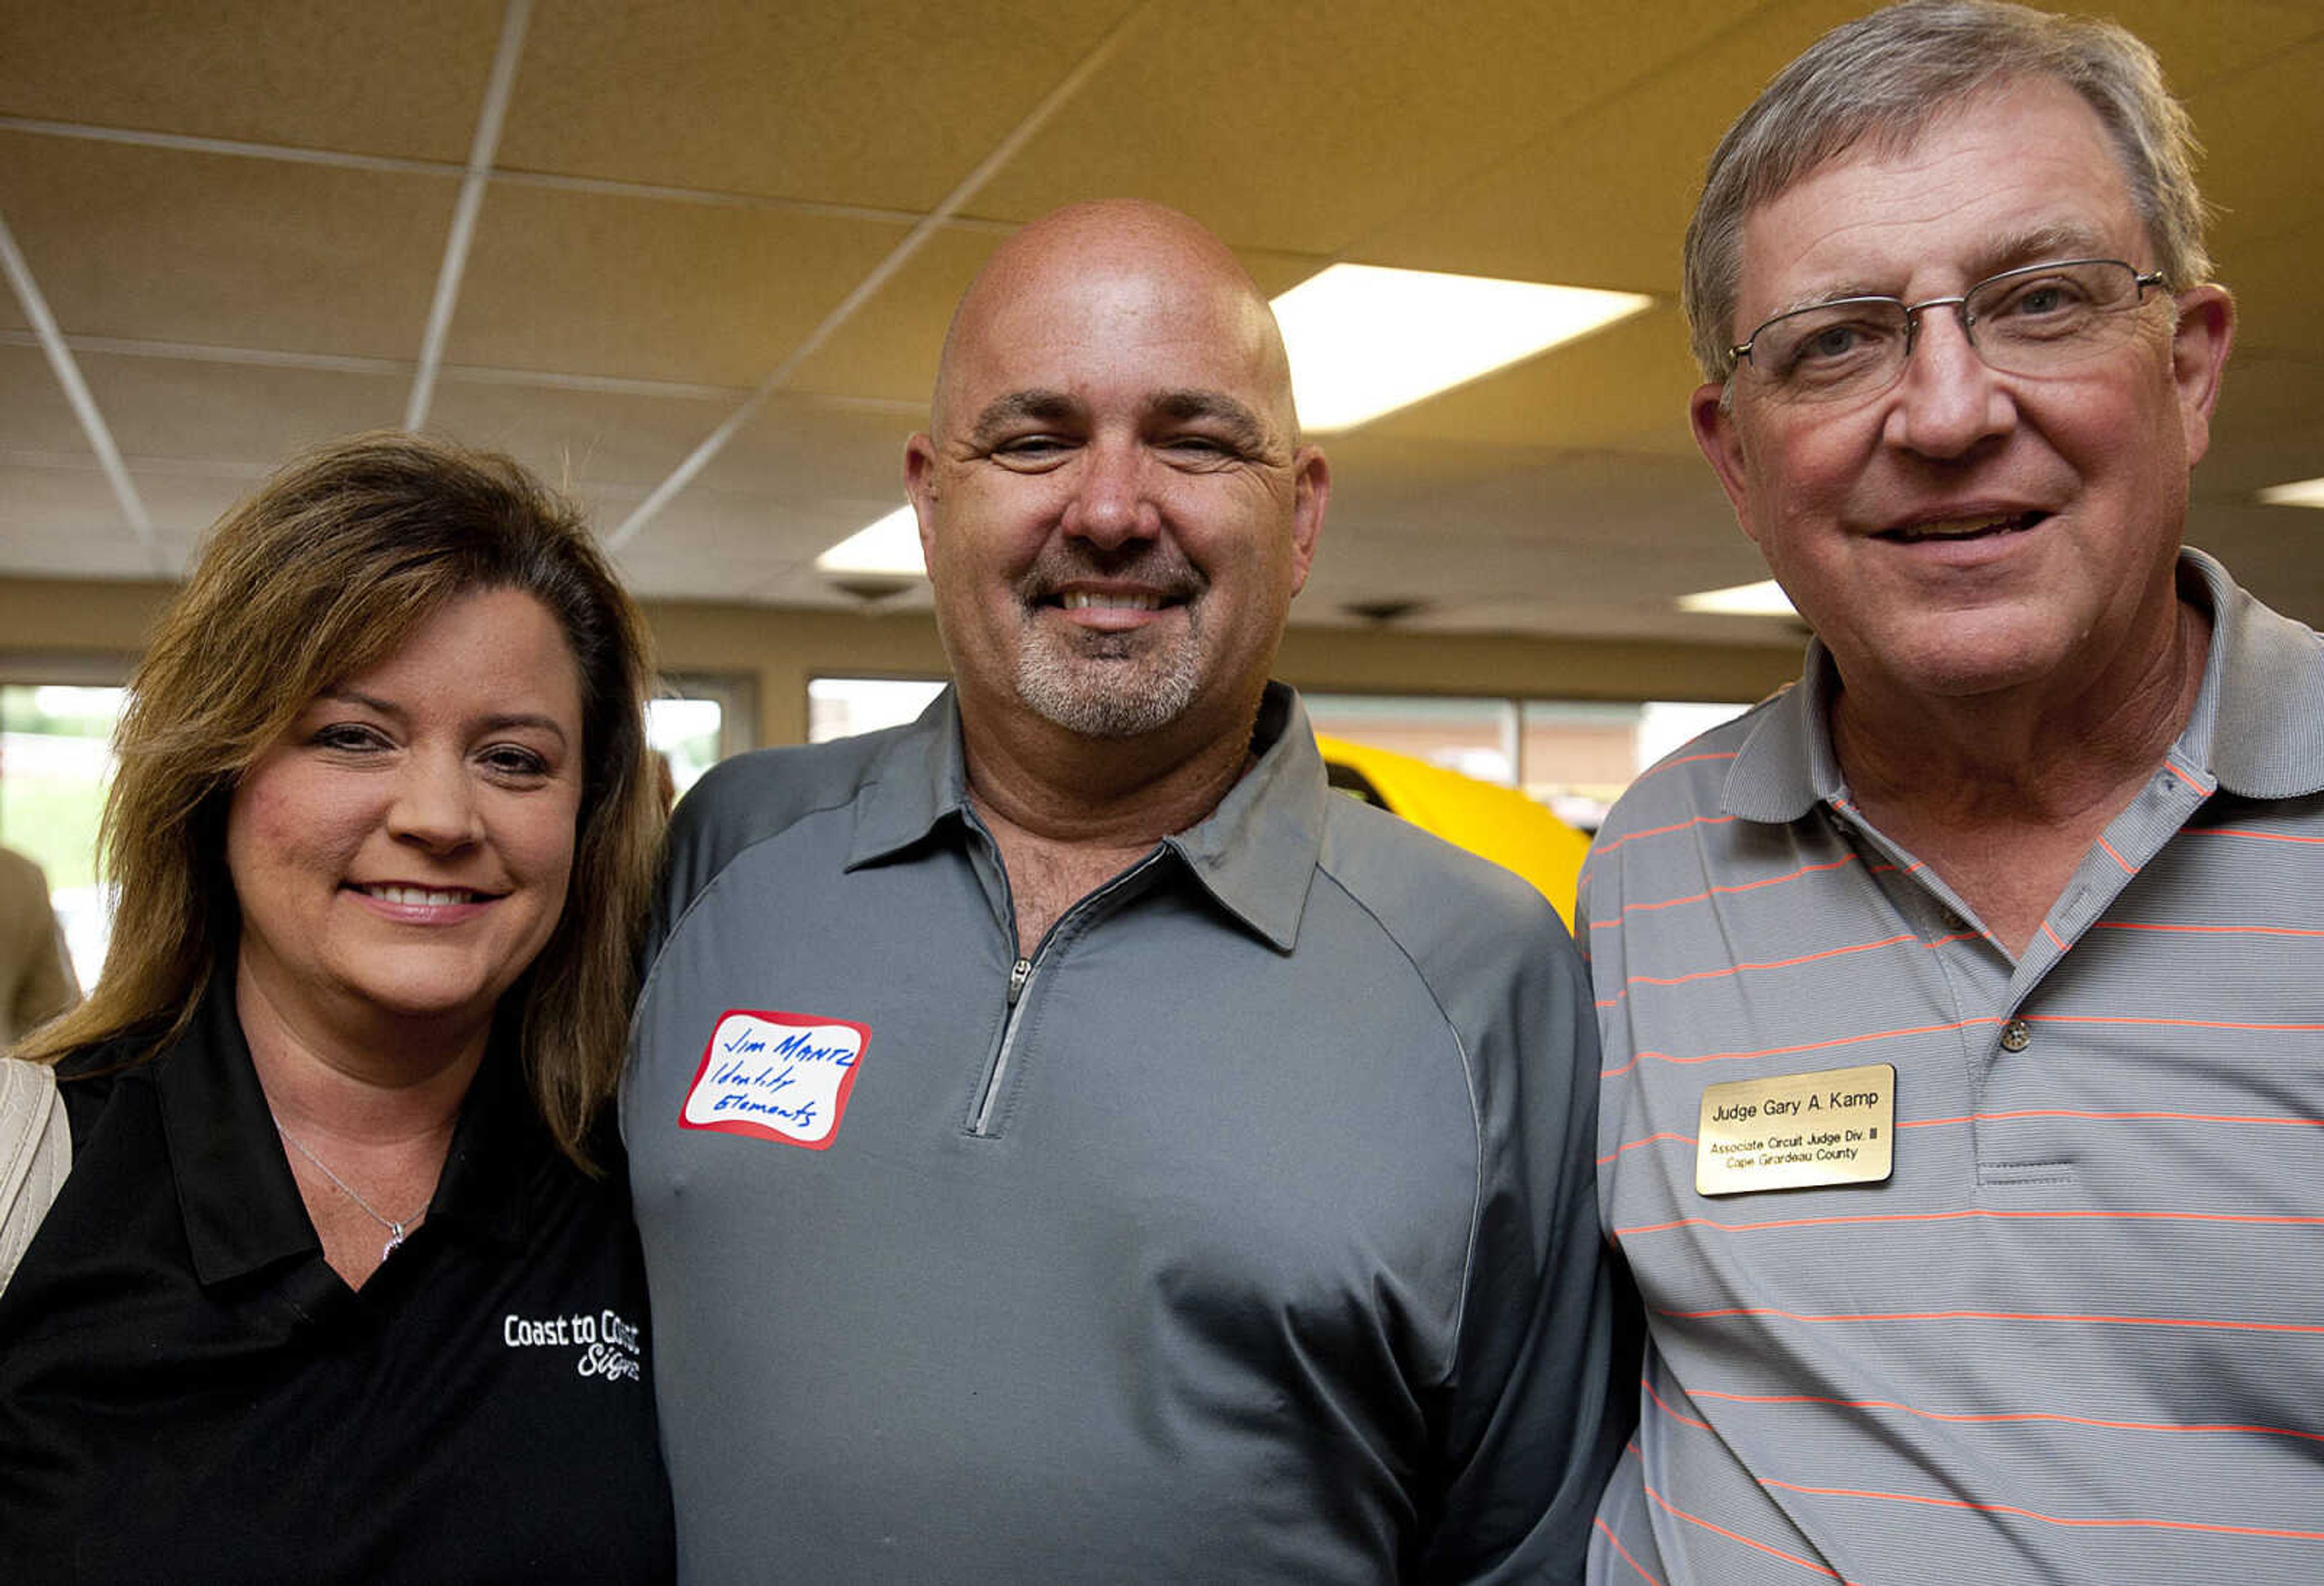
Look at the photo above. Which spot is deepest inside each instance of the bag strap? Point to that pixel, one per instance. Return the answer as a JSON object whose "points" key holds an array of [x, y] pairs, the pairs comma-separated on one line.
{"points": [[35, 1154]]}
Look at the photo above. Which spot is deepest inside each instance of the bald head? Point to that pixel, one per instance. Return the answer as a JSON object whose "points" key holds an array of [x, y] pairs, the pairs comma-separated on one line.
{"points": [[1124, 257]]}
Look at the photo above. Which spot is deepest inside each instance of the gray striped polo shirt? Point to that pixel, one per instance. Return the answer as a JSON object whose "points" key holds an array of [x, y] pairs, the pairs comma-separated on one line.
{"points": [[2078, 1334]]}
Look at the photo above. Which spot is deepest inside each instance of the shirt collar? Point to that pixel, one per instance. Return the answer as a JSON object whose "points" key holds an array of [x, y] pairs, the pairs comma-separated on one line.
{"points": [[1256, 853], [917, 780], [1258, 850], [2257, 725], [240, 1202]]}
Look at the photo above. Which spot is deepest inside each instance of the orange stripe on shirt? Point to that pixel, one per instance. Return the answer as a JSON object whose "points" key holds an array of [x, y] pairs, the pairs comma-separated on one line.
{"points": [[1712, 974], [2192, 1323], [2163, 1023], [1628, 837], [1918, 1029], [2255, 837], [1983, 1418], [2077, 1522], [1651, 1140], [1671, 1509], [1629, 909], [2106, 1117], [1976, 1213], [2204, 930], [1615, 1543]]}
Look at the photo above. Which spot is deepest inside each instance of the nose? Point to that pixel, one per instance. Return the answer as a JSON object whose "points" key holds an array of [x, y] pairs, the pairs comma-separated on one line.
{"points": [[1949, 400], [434, 807], [1113, 494]]}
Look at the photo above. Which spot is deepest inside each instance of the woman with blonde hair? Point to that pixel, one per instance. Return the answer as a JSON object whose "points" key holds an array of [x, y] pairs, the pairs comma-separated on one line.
{"points": [[338, 1286]]}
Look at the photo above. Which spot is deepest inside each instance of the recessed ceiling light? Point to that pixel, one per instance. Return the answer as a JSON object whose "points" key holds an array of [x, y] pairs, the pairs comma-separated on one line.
{"points": [[1764, 599], [1366, 340], [890, 546], [2305, 493]]}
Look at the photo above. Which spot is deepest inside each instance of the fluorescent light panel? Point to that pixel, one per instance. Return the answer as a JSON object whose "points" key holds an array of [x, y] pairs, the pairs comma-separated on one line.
{"points": [[1764, 599], [2305, 493], [1365, 340], [890, 548]]}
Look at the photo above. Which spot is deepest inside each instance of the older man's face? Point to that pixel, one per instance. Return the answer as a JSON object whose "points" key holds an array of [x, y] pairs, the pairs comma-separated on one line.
{"points": [[1968, 532], [1115, 514]]}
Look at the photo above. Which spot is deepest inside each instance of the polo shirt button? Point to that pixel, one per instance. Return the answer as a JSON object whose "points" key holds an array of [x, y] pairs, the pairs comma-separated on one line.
{"points": [[1953, 922], [2016, 1037]]}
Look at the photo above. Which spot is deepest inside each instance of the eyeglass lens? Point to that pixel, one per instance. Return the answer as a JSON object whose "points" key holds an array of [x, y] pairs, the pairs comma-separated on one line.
{"points": [[2031, 321]]}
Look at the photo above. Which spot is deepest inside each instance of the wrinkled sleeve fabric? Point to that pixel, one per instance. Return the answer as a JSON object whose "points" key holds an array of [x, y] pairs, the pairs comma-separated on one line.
{"points": [[1525, 1425]]}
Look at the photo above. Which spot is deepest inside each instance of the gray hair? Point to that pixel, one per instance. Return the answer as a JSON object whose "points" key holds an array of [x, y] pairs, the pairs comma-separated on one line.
{"points": [[1882, 79]]}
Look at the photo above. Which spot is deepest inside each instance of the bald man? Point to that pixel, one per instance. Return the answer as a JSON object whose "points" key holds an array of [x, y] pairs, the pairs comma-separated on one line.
{"points": [[1070, 1143]]}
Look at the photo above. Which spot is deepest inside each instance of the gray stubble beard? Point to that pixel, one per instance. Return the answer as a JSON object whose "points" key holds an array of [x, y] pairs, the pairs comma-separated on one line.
{"points": [[1103, 687]]}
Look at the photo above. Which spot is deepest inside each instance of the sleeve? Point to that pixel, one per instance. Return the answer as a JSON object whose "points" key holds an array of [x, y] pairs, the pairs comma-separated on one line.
{"points": [[1533, 1423]]}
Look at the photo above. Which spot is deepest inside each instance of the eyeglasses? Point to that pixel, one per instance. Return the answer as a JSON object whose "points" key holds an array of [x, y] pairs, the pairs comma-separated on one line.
{"points": [[2035, 321]]}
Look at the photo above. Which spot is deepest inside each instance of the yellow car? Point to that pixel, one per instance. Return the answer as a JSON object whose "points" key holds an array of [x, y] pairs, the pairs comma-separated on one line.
{"points": [[1500, 824]]}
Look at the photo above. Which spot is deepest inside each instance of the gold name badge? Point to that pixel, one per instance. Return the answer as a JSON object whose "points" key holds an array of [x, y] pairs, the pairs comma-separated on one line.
{"points": [[1797, 1130]]}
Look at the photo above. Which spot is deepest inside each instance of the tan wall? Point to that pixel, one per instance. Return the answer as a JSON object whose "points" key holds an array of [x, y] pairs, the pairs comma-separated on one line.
{"points": [[52, 627]]}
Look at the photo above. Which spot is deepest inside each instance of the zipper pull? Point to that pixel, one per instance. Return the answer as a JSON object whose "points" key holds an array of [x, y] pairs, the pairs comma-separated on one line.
{"points": [[1019, 974]]}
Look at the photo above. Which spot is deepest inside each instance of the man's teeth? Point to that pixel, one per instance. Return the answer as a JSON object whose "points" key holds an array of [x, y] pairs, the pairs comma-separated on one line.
{"points": [[1082, 600], [1963, 528], [427, 896]]}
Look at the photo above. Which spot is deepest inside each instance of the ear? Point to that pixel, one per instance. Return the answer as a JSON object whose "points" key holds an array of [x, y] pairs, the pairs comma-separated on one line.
{"points": [[1312, 489], [1716, 432], [919, 484], [2199, 353]]}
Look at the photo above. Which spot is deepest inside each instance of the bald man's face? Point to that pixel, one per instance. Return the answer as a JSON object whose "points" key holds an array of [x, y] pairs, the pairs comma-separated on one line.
{"points": [[1114, 509]]}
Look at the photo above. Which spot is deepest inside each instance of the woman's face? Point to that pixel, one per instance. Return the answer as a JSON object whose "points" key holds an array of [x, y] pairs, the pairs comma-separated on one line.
{"points": [[402, 853]]}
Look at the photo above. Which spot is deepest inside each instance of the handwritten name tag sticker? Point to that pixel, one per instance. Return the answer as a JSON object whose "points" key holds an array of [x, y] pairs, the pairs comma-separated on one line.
{"points": [[776, 1076], [1797, 1130]]}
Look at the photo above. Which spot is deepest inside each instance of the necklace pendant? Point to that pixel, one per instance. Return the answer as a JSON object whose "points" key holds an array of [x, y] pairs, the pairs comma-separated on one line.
{"points": [[394, 1237]]}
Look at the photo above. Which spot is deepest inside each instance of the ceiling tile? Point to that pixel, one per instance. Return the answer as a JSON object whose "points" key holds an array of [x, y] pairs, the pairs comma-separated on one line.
{"points": [[172, 408], [405, 78], [2250, 121], [886, 103], [34, 416], [65, 523], [577, 439], [651, 288], [808, 448], [174, 246], [1306, 127]]}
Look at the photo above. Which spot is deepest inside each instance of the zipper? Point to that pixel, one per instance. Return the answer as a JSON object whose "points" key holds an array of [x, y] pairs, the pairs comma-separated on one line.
{"points": [[1020, 977], [1020, 973]]}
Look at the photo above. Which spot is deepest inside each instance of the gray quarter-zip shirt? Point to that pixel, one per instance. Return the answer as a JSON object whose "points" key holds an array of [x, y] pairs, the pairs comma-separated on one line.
{"points": [[1245, 1231]]}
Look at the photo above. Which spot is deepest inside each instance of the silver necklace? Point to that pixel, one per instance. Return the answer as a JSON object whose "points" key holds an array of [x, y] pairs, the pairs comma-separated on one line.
{"points": [[395, 1227]]}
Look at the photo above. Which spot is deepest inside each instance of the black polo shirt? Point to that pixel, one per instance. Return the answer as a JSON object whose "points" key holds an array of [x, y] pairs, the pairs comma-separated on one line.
{"points": [[187, 1392]]}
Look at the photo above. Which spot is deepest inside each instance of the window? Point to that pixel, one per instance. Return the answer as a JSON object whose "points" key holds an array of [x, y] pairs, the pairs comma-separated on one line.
{"points": [[698, 719], [56, 762], [841, 707], [1575, 756]]}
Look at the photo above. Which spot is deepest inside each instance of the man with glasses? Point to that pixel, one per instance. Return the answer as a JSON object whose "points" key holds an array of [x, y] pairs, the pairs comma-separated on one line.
{"points": [[1963, 1113]]}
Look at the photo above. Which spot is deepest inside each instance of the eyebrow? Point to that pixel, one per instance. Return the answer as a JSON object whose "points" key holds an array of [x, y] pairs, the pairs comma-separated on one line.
{"points": [[1018, 407], [502, 722], [1244, 426], [1039, 406], [2034, 245]]}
